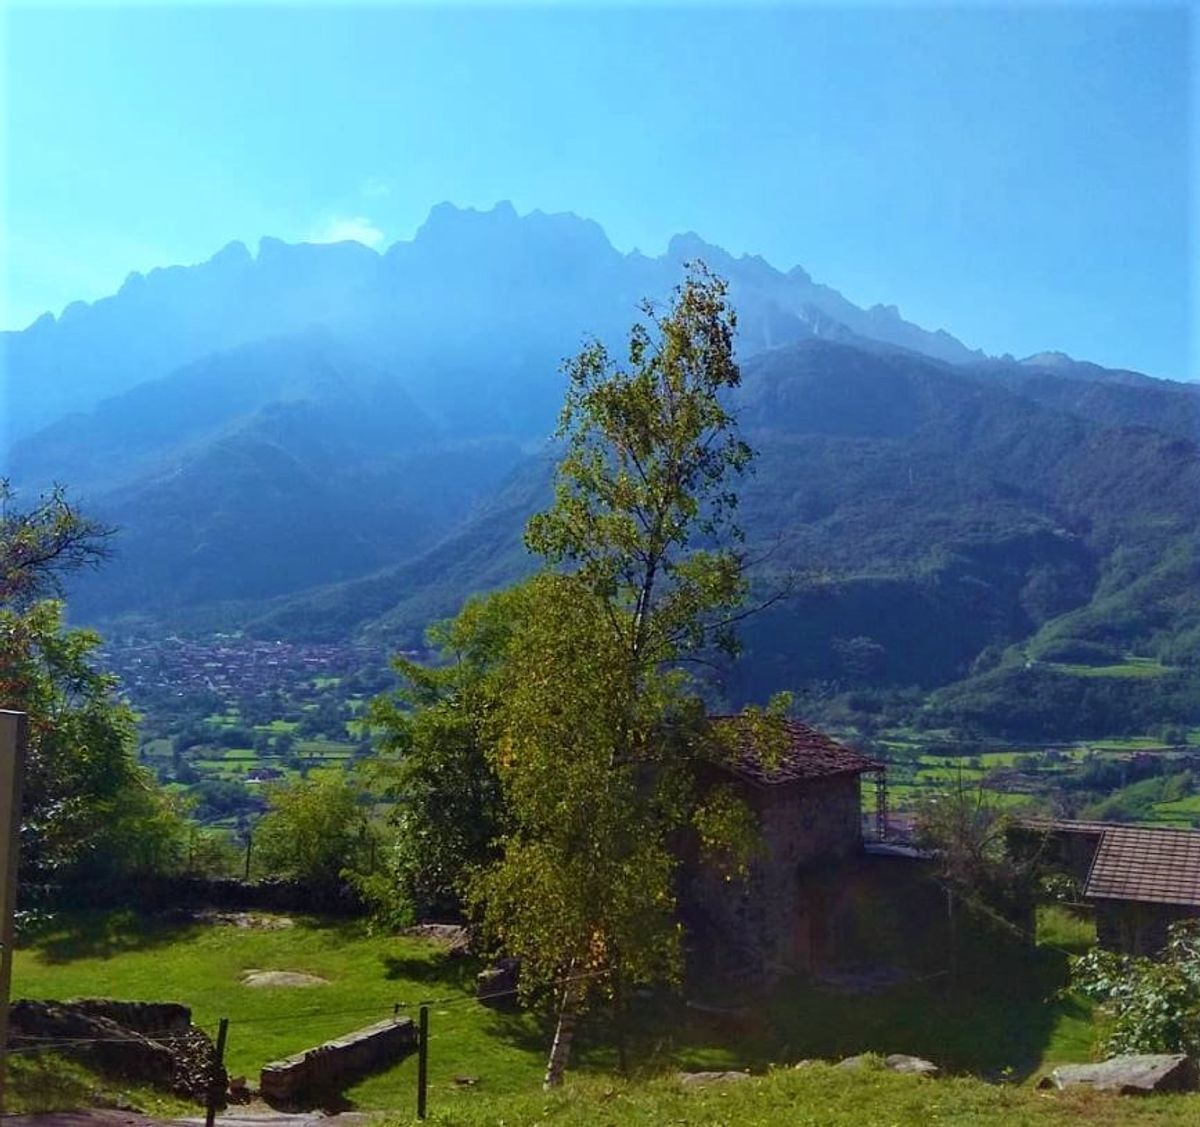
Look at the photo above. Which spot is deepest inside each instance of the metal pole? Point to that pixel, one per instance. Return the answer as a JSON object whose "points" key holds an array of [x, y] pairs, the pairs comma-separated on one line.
{"points": [[422, 1062], [12, 776], [214, 1089]]}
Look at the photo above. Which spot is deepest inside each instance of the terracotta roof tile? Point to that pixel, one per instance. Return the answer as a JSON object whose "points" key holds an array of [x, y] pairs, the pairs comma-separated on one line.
{"points": [[807, 754], [1156, 866]]}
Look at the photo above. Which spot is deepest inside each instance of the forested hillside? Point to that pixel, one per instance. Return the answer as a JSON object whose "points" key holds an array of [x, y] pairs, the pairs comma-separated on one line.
{"points": [[324, 443]]}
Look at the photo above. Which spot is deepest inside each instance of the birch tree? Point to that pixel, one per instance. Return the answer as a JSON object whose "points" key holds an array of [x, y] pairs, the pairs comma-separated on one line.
{"points": [[596, 726]]}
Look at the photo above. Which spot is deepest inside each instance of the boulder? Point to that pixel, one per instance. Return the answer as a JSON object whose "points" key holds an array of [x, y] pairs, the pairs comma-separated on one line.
{"points": [[697, 1079], [896, 1062], [497, 985], [863, 1060], [1129, 1075], [917, 1066]]}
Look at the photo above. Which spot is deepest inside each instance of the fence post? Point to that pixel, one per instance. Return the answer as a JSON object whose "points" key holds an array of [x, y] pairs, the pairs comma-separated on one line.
{"points": [[422, 1062], [210, 1114], [12, 776]]}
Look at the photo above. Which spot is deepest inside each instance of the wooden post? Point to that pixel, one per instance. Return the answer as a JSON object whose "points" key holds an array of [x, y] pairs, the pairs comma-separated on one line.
{"points": [[12, 776], [210, 1115], [422, 1062]]}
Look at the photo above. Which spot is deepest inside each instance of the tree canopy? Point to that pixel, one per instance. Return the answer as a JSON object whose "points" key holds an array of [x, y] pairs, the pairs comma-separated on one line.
{"points": [[596, 728], [90, 812]]}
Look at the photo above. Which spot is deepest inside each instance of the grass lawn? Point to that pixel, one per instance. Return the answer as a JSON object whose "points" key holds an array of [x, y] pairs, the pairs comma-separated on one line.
{"points": [[120, 956], [1010, 1026], [814, 1096]]}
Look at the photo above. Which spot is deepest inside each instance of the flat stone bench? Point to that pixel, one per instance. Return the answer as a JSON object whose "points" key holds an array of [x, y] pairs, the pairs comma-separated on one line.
{"points": [[331, 1066]]}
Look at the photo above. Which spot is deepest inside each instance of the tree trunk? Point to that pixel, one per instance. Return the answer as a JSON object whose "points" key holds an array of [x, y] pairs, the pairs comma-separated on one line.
{"points": [[564, 1034]]}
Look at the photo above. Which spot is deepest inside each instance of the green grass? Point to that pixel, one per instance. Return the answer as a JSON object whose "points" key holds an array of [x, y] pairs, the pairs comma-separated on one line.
{"points": [[1009, 1025], [1180, 812], [329, 749], [814, 1096], [119, 956], [45, 1082], [1136, 667]]}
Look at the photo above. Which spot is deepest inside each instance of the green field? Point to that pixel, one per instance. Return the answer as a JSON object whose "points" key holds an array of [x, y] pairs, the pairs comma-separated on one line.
{"points": [[1007, 1029], [817, 1095], [1137, 667]]}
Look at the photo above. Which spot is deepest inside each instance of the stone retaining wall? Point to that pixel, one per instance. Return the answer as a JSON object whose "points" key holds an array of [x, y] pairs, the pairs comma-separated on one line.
{"points": [[335, 1064]]}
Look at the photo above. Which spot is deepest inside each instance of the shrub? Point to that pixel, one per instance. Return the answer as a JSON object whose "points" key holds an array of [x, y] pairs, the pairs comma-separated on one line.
{"points": [[1154, 1003]]}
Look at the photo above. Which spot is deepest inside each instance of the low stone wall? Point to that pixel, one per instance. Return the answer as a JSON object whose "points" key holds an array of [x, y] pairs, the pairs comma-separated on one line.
{"points": [[151, 1043], [330, 1067], [150, 1019]]}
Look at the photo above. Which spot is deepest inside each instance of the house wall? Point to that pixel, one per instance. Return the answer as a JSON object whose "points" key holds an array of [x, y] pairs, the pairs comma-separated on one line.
{"points": [[1136, 929], [777, 919]]}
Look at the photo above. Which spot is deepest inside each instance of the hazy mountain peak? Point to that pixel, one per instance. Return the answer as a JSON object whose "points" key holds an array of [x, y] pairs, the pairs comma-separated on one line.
{"points": [[689, 245], [1048, 360], [233, 253]]}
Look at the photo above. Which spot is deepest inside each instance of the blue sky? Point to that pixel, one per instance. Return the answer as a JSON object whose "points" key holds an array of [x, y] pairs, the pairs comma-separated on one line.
{"points": [[1019, 175]]}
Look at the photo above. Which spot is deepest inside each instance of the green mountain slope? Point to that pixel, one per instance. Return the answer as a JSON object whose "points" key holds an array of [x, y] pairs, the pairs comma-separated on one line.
{"points": [[932, 519]]}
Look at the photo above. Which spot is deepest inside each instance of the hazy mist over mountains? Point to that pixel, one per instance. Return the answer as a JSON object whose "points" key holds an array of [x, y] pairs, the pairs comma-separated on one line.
{"points": [[472, 288], [322, 441]]}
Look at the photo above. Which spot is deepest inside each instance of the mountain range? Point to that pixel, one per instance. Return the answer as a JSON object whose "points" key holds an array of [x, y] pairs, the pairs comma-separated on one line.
{"points": [[321, 441]]}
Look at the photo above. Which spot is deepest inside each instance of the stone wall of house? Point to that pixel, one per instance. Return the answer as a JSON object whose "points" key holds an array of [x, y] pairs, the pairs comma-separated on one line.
{"points": [[775, 920], [1136, 929]]}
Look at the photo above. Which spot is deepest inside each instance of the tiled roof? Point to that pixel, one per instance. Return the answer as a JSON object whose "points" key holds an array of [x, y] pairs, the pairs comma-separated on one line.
{"points": [[804, 753], [1155, 866], [1150, 865]]}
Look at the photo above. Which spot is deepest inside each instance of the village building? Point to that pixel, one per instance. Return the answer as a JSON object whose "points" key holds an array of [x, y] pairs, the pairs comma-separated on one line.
{"points": [[1139, 879], [784, 916]]}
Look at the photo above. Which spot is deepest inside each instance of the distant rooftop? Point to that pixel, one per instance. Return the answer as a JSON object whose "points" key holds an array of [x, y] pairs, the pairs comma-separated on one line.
{"points": [[1147, 864], [804, 754]]}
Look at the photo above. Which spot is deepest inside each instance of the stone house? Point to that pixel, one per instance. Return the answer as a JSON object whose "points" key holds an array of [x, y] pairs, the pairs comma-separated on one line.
{"points": [[783, 916], [1139, 879]]}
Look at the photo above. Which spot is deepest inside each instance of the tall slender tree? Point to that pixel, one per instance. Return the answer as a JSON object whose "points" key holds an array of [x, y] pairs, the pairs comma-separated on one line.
{"points": [[596, 726]]}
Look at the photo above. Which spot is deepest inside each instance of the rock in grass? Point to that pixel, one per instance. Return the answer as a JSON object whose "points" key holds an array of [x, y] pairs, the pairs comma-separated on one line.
{"points": [[863, 1060], [916, 1066], [896, 1062], [1130, 1075], [697, 1079]]}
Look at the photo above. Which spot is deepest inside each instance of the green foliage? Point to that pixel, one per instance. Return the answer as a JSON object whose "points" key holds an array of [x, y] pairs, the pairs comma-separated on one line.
{"points": [[1137, 801], [650, 450], [594, 729], [39, 544], [965, 829], [90, 813], [315, 830], [433, 763], [592, 785], [1154, 1004]]}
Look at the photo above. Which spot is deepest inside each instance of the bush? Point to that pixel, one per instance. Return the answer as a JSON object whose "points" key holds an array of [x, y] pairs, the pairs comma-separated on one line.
{"points": [[1154, 1004]]}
